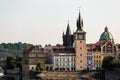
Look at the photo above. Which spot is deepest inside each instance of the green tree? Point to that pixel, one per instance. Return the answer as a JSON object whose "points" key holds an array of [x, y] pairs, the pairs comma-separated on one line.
{"points": [[18, 60], [106, 64], [115, 63], [40, 65], [10, 62]]}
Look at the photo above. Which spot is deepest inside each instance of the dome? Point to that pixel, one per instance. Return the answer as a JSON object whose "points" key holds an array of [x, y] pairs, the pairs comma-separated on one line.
{"points": [[106, 35]]}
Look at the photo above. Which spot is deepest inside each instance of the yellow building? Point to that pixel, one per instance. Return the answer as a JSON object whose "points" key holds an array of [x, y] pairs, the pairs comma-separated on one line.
{"points": [[97, 60]]}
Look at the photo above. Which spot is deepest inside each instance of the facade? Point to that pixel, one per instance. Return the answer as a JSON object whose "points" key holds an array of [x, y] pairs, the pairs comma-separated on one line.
{"points": [[61, 58], [89, 57], [64, 58], [31, 56], [97, 60], [80, 45], [118, 48]]}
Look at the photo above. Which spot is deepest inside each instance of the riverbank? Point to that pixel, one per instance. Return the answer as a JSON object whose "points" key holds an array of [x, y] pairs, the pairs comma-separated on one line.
{"points": [[67, 75]]}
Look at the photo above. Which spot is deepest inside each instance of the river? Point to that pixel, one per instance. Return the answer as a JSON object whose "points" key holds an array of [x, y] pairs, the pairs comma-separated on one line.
{"points": [[27, 77], [24, 77]]}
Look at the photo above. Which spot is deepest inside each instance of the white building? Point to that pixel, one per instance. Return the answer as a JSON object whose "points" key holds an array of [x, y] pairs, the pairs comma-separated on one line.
{"points": [[64, 61], [63, 58], [89, 60]]}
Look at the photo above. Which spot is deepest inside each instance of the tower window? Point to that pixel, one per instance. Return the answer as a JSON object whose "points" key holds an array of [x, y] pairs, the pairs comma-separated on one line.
{"points": [[80, 41], [81, 61], [80, 47], [80, 54]]}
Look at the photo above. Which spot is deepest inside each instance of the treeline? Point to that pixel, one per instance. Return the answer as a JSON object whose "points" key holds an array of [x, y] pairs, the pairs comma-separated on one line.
{"points": [[11, 49], [14, 62], [111, 63]]}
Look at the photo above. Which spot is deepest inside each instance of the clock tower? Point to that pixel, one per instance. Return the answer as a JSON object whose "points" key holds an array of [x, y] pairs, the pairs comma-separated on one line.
{"points": [[80, 45]]}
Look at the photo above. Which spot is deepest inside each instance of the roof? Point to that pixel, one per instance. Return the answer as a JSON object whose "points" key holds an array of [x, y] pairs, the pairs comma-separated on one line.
{"points": [[106, 35], [63, 49], [28, 49]]}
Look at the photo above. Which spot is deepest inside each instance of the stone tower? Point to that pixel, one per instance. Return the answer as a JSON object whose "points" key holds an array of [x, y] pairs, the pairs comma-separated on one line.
{"points": [[80, 45], [68, 37]]}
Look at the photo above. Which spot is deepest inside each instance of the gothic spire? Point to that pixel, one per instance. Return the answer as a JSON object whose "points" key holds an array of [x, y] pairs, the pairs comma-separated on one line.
{"points": [[63, 33], [68, 31], [79, 23]]}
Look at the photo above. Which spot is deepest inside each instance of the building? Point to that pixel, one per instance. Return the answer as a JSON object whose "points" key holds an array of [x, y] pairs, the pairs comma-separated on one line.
{"points": [[68, 57], [118, 48], [104, 47], [80, 45], [68, 37], [64, 58], [97, 60], [89, 56], [31, 56]]}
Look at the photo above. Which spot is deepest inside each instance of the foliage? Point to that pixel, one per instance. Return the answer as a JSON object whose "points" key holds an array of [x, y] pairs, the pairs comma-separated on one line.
{"points": [[12, 49], [40, 65], [10, 62], [115, 63], [14, 62], [110, 63]]}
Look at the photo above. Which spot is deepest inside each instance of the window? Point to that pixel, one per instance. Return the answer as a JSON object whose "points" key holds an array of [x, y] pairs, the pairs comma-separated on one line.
{"points": [[81, 61], [26, 62], [80, 47], [80, 54], [80, 41]]}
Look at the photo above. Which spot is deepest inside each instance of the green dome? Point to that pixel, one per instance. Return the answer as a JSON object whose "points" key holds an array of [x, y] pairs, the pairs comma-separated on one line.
{"points": [[106, 35]]}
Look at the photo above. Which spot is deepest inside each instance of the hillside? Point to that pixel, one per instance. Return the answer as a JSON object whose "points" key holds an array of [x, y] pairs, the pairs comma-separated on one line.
{"points": [[11, 49]]}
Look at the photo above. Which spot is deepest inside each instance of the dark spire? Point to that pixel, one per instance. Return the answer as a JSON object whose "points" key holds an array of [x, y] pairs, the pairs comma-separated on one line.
{"points": [[106, 29], [79, 23], [68, 31], [63, 33]]}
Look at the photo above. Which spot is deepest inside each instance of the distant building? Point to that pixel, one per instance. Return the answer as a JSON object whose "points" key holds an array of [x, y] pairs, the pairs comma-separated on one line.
{"points": [[80, 45], [68, 38], [74, 54], [97, 60], [118, 48], [64, 58], [89, 56], [31, 56], [104, 47]]}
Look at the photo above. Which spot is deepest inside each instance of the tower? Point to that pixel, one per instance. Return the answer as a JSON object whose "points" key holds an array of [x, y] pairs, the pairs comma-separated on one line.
{"points": [[80, 45], [68, 37]]}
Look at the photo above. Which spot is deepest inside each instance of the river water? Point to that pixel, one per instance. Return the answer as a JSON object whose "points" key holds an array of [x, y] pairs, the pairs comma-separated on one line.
{"points": [[25, 77]]}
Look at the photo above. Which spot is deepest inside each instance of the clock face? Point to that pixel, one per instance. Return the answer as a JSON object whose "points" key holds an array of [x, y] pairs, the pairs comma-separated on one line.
{"points": [[80, 37]]}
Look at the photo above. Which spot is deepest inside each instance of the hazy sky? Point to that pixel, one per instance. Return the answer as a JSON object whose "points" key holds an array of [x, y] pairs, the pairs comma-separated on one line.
{"points": [[43, 21]]}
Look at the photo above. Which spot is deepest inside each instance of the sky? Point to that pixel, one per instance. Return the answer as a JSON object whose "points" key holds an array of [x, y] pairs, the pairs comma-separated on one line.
{"points": [[43, 21]]}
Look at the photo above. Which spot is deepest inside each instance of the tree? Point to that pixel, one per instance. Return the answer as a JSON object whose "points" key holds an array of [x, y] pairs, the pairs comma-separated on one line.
{"points": [[115, 63], [106, 64], [40, 65], [110, 63], [18, 60], [10, 62]]}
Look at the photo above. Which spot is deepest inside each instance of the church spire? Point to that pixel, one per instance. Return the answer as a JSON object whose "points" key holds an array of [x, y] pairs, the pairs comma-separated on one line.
{"points": [[79, 23], [106, 29], [68, 31]]}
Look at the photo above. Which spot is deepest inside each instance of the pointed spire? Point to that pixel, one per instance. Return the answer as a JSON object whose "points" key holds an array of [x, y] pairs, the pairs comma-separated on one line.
{"points": [[106, 29], [79, 23], [63, 33], [68, 31]]}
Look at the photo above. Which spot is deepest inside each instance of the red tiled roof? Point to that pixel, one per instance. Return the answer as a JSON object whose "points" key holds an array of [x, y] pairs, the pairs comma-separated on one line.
{"points": [[63, 49], [28, 49]]}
